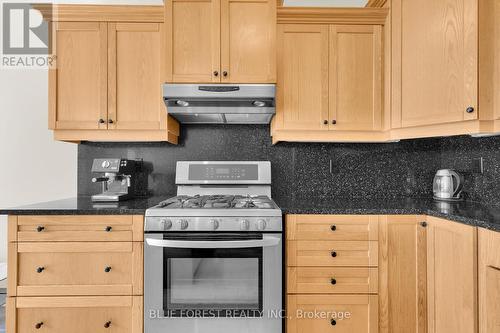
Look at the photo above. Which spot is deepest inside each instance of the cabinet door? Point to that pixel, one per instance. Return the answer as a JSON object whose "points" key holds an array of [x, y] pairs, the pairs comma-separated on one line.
{"points": [[436, 58], [451, 277], [78, 84], [489, 281], [355, 77], [193, 40], [248, 38], [302, 77], [402, 274], [329, 313], [135, 76]]}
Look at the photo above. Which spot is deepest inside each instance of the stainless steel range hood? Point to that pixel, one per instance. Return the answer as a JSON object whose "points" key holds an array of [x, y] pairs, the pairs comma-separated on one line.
{"points": [[220, 103]]}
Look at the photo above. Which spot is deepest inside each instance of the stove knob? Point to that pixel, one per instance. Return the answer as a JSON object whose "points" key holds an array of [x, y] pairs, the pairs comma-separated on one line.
{"points": [[245, 224], [214, 224], [183, 224], [165, 224], [261, 225]]}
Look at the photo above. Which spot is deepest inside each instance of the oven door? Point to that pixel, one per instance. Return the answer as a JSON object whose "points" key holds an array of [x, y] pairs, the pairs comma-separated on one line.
{"points": [[218, 279]]}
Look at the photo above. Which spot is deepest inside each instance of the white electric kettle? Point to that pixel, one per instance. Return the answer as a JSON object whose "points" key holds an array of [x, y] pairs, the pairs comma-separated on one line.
{"points": [[448, 185]]}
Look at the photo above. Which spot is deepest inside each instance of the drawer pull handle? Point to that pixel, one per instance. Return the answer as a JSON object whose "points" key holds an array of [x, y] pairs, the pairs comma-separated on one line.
{"points": [[333, 227], [39, 325], [333, 322], [333, 281], [40, 269], [107, 269], [40, 228], [108, 229], [107, 324], [423, 224], [334, 254]]}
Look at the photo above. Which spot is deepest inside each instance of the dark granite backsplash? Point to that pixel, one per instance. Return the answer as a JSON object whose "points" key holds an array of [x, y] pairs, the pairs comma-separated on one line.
{"points": [[302, 170]]}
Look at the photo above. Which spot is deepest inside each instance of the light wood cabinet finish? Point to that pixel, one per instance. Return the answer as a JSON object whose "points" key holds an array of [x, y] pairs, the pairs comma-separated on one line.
{"points": [[332, 227], [302, 92], [193, 40], [438, 83], [403, 274], [106, 82], [329, 83], [75, 314], [76, 228], [89, 268], [248, 38], [332, 253], [362, 311], [228, 41], [355, 78], [337, 280], [489, 281], [135, 53], [78, 92], [451, 277]]}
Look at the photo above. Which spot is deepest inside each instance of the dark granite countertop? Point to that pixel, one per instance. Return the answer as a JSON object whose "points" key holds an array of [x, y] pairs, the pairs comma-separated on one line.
{"points": [[84, 206], [470, 213]]}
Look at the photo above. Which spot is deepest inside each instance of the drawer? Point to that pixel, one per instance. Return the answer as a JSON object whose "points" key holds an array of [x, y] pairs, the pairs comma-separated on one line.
{"points": [[332, 313], [64, 269], [75, 228], [332, 227], [332, 253], [332, 280], [119, 314]]}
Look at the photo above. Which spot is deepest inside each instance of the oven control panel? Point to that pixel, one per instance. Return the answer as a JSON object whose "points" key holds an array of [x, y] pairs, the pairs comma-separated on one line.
{"points": [[190, 223]]}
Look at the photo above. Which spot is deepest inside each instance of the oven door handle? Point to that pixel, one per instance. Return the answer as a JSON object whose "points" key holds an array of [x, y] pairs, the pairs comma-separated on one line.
{"points": [[178, 244]]}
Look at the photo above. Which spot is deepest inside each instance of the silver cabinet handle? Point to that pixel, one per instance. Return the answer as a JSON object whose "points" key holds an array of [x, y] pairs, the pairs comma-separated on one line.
{"points": [[266, 242]]}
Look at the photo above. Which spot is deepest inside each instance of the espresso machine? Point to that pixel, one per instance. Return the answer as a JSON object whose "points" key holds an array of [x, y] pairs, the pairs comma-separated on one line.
{"points": [[116, 177]]}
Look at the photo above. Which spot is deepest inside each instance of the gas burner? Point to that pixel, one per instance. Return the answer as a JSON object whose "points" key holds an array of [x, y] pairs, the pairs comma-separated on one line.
{"points": [[218, 202]]}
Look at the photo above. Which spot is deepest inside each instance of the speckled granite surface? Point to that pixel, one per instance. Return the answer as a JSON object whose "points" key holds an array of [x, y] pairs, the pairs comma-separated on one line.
{"points": [[465, 212]]}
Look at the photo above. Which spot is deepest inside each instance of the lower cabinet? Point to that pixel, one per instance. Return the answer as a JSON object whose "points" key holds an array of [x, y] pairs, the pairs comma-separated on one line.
{"points": [[332, 313], [75, 274], [332, 273], [121, 314], [489, 281]]}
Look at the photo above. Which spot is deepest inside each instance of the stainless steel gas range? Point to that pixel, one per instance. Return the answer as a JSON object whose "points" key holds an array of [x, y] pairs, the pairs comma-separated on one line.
{"points": [[213, 253]]}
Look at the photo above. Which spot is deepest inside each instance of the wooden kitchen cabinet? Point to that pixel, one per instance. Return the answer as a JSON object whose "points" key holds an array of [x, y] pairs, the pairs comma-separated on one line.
{"points": [[330, 84], [106, 82], [489, 281], [78, 87], [75, 314], [336, 313], [403, 274], [451, 277], [228, 41], [302, 77]]}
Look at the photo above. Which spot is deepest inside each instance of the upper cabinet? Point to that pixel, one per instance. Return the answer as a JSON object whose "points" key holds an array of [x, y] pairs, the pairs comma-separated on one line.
{"points": [[228, 41], [330, 78], [436, 61], [106, 82]]}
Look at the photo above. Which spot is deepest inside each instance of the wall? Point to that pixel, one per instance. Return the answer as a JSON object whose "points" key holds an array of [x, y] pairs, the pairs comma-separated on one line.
{"points": [[33, 166], [300, 170]]}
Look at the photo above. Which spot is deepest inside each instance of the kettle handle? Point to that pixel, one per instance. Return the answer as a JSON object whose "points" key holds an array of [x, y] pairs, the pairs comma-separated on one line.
{"points": [[459, 181]]}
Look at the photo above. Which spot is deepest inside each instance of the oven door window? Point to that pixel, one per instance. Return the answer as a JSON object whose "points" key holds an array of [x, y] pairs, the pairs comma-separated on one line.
{"points": [[212, 282]]}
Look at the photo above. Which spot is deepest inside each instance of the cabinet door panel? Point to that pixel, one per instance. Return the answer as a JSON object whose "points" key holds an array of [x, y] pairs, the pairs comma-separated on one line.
{"points": [[437, 63], [79, 83], [356, 77], [489, 281], [248, 31], [451, 277], [402, 267], [302, 77], [135, 96], [193, 40]]}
